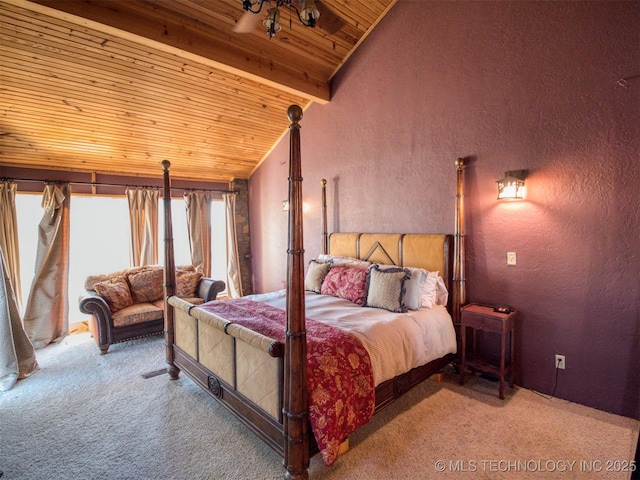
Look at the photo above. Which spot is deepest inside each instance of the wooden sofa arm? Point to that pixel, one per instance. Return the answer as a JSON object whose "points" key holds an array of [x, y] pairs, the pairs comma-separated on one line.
{"points": [[208, 289]]}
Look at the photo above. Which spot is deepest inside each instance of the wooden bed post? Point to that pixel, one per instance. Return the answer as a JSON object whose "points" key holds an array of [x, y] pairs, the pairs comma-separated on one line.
{"points": [[459, 288], [169, 273], [324, 233], [295, 408]]}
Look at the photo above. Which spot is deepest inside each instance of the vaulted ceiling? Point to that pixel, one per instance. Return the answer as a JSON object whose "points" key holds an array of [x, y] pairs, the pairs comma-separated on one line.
{"points": [[117, 86]]}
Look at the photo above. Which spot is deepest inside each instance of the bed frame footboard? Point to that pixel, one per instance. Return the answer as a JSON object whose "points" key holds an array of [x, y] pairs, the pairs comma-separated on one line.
{"points": [[241, 368], [259, 422], [244, 371]]}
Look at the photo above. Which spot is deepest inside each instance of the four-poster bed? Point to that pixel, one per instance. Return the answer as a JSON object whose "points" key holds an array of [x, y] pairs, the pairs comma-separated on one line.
{"points": [[267, 375]]}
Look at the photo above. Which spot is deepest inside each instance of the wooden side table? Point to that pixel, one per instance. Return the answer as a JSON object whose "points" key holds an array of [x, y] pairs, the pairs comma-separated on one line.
{"points": [[482, 318]]}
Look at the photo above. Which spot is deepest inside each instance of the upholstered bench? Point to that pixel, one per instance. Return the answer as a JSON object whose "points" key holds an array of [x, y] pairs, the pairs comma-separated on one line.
{"points": [[130, 303]]}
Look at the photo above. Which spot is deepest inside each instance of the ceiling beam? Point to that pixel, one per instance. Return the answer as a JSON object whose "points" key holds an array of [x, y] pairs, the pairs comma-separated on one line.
{"points": [[175, 37]]}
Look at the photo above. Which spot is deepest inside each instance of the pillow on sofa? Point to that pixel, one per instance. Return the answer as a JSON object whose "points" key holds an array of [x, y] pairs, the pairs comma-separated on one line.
{"points": [[146, 285], [187, 282], [91, 280], [116, 292]]}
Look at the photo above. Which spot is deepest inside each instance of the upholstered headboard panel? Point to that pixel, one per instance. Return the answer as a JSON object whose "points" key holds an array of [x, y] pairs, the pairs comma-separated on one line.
{"points": [[431, 252]]}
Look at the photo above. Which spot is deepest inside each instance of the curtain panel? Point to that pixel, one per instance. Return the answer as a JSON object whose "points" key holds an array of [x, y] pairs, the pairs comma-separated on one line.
{"points": [[143, 219], [198, 207], [234, 281], [17, 355], [46, 318], [9, 235]]}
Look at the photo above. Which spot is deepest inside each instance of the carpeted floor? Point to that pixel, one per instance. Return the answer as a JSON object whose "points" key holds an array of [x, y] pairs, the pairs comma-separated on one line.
{"points": [[89, 416]]}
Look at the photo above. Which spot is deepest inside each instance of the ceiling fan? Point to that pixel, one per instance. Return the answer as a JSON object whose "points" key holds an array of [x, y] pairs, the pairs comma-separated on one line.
{"points": [[307, 11]]}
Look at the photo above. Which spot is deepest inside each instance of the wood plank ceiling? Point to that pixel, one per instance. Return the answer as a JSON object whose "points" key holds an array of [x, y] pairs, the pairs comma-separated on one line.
{"points": [[117, 86]]}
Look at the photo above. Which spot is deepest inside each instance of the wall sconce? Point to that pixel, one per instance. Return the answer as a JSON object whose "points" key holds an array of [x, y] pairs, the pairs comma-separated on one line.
{"points": [[511, 187], [285, 206]]}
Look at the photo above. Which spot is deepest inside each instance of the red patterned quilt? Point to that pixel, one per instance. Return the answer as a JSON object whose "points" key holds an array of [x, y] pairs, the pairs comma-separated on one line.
{"points": [[339, 375]]}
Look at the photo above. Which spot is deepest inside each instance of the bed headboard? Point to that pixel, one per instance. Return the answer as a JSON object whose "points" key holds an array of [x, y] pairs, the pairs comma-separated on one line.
{"points": [[433, 252]]}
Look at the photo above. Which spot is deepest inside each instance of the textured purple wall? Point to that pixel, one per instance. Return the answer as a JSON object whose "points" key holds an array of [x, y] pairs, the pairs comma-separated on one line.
{"points": [[510, 85]]}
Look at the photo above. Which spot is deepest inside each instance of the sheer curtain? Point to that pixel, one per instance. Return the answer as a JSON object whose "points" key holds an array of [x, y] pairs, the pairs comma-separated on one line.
{"points": [[198, 206], [143, 218], [9, 235], [46, 318], [234, 281]]}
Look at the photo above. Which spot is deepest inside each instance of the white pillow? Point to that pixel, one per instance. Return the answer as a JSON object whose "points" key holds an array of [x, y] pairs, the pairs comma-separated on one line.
{"points": [[339, 261], [413, 287], [442, 294], [428, 293]]}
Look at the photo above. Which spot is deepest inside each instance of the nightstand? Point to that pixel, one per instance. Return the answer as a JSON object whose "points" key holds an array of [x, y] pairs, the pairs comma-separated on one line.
{"points": [[482, 318]]}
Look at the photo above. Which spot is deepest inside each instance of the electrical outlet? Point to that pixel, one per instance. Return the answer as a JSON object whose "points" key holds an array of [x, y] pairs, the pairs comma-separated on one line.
{"points": [[560, 361], [511, 258]]}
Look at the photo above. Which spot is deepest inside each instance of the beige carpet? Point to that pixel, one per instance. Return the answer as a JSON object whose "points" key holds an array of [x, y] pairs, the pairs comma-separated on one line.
{"points": [[87, 416]]}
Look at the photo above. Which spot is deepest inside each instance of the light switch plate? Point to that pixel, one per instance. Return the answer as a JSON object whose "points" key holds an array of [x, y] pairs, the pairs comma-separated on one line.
{"points": [[511, 258]]}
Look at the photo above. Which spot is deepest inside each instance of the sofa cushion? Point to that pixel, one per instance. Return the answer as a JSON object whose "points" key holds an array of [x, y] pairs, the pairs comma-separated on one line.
{"points": [[146, 284], [116, 292], [158, 303], [137, 313], [187, 282]]}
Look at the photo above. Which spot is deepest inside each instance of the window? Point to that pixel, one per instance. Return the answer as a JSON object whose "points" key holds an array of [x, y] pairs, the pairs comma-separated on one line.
{"points": [[181, 249], [219, 241], [100, 240]]}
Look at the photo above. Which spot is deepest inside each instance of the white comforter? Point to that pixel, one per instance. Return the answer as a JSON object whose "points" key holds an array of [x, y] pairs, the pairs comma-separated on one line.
{"points": [[396, 342]]}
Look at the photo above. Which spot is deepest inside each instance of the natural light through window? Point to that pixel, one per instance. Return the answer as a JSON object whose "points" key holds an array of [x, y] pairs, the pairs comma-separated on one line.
{"points": [[100, 240]]}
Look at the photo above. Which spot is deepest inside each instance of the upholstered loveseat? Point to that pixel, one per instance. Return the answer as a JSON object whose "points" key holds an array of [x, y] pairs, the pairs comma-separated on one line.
{"points": [[130, 303]]}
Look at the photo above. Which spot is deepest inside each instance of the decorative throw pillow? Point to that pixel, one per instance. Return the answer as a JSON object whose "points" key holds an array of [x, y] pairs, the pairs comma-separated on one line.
{"points": [[189, 268], [315, 275], [187, 282], [146, 285], [116, 292], [91, 280], [385, 288], [413, 286], [345, 282]]}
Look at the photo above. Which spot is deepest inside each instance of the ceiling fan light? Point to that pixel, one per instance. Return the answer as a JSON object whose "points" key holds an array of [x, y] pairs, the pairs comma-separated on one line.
{"points": [[272, 22], [309, 13], [250, 5]]}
